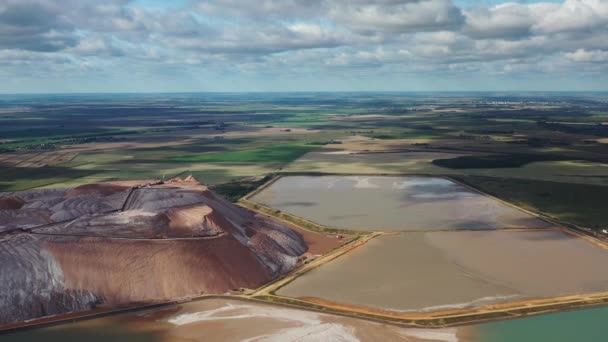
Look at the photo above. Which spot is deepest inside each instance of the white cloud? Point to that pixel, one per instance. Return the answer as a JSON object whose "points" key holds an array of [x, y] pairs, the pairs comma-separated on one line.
{"points": [[574, 15], [508, 21], [280, 37], [261, 9], [582, 55], [260, 39], [397, 16]]}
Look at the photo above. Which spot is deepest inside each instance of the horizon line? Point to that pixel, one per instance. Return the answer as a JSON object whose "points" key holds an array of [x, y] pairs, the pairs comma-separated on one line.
{"points": [[303, 92]]}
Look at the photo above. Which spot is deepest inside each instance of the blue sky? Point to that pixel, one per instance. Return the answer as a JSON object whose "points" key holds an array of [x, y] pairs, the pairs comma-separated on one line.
{"points": [[302, 45]]}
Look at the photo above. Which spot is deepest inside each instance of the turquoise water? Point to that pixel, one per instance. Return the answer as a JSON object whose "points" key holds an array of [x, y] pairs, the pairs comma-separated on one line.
{"points": [[589, 325]]}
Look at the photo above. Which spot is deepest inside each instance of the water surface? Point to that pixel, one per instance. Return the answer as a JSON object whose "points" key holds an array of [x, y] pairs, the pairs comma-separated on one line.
{"points": [[587, 325], [391, 203], [432, 271]]}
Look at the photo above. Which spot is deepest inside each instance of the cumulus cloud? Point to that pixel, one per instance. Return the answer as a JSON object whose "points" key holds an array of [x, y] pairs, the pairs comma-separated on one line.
{"points": [[574, 15], [507, 21], [35, 26], [97, 46], [515, 20], [260, 39], [582, 55], [397, 16], [305, 36], [261, 9]]}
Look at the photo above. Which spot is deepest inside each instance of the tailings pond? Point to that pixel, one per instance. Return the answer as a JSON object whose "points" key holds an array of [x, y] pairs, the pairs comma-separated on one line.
{"points": [[420, 272], [225, 320], [229, 320], [391, 204]]}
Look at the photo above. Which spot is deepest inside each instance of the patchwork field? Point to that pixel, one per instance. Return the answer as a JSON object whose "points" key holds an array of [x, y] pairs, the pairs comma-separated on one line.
{"points": [[45, 141], [565, 201], [331, 160], [448, 270], [35, 159], [444, 246], [391, 204], [363, 155]]}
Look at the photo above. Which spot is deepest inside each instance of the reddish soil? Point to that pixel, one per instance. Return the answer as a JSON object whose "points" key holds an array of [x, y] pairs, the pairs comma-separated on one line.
{"points": [[11, 203], [196, 220], [190, 179], [131, 183], [139, 271], [319, 244]]}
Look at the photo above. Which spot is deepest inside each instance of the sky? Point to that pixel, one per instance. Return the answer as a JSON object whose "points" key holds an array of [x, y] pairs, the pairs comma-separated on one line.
{"points": [[63, 46]]}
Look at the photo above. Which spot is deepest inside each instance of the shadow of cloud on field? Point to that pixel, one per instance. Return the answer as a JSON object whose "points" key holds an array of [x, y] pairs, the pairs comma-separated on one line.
{"points": [[477, 225], [212, 177], [24, 178]]}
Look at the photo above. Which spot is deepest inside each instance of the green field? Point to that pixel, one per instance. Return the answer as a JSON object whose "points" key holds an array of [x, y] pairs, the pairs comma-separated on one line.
{"points": [[280, 153], [235, 190], [15, 179], [543, 147], [580, 204]]}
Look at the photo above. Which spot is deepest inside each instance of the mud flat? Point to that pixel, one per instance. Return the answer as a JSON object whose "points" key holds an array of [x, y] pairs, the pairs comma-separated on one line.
{"points": [[391, 204], [434, 271], [221, 320]]}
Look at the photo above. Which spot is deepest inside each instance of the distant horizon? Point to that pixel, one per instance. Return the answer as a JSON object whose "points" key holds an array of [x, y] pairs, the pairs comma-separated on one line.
{"points": [[319, 92]]}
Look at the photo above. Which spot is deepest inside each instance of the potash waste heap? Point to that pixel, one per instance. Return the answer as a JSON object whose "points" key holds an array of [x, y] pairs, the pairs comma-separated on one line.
{"points": [[66, 250]]}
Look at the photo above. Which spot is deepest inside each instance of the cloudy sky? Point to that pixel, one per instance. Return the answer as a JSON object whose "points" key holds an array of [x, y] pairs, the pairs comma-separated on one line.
{"points": [[302, 45]]}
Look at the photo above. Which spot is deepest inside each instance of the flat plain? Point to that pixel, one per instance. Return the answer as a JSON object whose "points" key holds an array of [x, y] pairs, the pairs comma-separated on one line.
{"points": [[61, 140], [392, 159]]}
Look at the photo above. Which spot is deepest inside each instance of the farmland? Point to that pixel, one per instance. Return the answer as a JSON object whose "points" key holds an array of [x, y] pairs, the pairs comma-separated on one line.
{"points": [[393, 195], [564, 201]]}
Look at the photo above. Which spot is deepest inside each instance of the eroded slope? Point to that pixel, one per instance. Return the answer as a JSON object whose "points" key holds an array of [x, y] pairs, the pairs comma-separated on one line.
{"points": [[116, 244]]}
